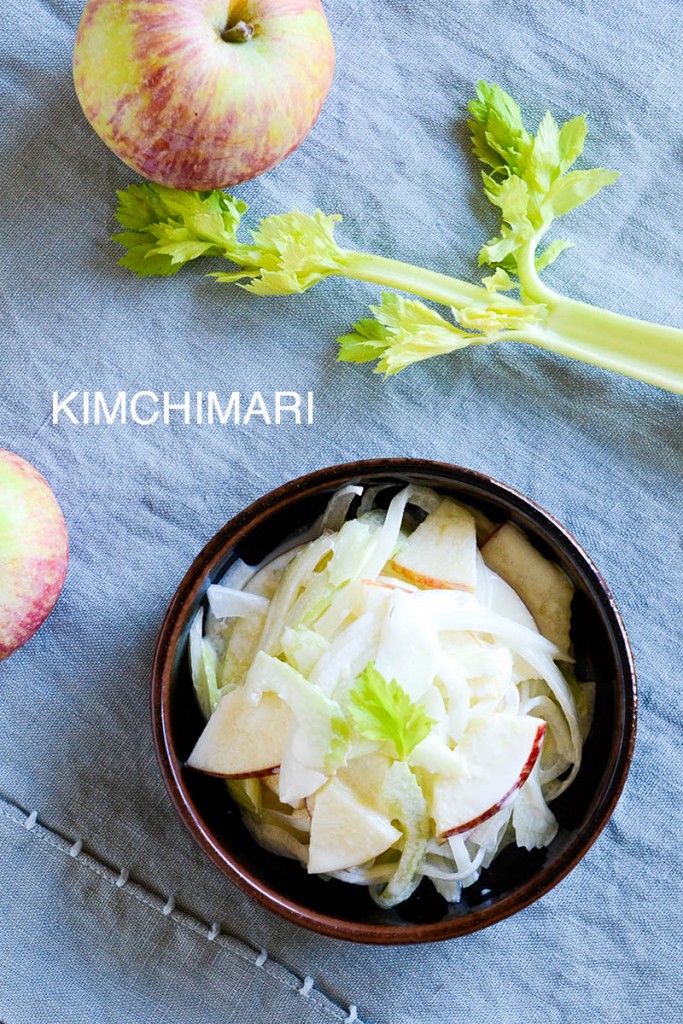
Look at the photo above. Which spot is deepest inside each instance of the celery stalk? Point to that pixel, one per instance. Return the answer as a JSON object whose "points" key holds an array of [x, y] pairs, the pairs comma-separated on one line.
{"points": [[649, 352], [529, 178]]}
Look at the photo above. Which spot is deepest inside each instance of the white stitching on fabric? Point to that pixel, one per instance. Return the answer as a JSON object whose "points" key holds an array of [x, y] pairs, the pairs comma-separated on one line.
{"points": [[12, 812], [213, 931], [306, 987], [169, 906]]}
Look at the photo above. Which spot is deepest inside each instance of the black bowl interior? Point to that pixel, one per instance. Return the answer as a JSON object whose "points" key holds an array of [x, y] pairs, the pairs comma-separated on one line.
{"points": [[602, 655]]}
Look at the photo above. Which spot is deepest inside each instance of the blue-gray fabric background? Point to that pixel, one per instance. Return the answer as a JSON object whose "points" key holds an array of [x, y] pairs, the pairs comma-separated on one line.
{"points": [[603, 454]]}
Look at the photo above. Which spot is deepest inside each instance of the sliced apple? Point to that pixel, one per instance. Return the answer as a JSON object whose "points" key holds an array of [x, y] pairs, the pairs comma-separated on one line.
{"points": [[442, 552], [542, 585], [485, 526], [374, 596], [389, 583], [296, 781], [245, 632], [433, 755], [367, 776], [242, 740], [499, 752], [345, 831], [241, 648]]}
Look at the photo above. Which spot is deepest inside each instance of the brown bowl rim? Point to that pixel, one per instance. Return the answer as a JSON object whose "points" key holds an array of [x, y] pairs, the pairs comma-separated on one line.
{"points": [[171, 766]]}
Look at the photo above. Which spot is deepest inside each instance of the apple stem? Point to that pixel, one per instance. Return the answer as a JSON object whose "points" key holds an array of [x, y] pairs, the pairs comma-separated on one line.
{"points": [[240, 32]]}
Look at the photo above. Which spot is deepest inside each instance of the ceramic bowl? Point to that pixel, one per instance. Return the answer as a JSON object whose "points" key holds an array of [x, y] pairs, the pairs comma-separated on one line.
{"points": [[517, 877]]}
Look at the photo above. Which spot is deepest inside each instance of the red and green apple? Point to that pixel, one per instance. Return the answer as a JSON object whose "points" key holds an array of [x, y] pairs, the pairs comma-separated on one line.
{"points": [[202, 94], [34, 551]]}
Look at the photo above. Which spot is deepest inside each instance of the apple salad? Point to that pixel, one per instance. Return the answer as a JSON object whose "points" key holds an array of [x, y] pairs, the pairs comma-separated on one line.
{"points": [[391, 699]]}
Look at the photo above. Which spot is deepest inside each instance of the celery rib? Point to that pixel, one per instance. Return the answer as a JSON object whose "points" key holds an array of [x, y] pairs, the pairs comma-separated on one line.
{"points": [[529, 178], [428, 284]]}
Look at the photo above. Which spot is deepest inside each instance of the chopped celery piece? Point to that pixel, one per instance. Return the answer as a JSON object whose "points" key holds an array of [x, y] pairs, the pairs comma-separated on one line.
{"points": [[408, 807], [203, 667], [322, 734], [246, 793]]}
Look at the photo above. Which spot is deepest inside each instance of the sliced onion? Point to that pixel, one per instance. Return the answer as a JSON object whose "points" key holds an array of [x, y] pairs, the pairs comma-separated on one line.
{"points": [[226, 603]]}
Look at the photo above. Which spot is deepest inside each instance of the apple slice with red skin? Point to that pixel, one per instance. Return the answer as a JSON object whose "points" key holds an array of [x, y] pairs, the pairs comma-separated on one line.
{"points": [[264, 773], [500, 751], [442, 552], [388, 584], [243, 740]]}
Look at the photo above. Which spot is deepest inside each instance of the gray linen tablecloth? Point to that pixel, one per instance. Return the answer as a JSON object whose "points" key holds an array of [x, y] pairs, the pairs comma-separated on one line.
{"points": [[106, 904]]}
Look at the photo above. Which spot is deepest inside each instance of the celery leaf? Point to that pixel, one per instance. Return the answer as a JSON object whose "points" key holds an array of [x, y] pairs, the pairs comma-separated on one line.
{"points": [[404, 332], [383, 711], [166, 228], [291, 252], [528, 176]]}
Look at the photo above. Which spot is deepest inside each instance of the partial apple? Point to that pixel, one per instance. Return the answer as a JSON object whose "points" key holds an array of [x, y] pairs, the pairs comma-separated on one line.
{"points": [[499, 752], [542, 586], [34, 551], [202, 94], [442, 552], [367, 776], [241, 739], [345, 831]]}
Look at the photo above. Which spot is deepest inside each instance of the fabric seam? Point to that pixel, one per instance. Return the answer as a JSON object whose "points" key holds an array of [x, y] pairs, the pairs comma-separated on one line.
{"points": [[258, 958]]}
